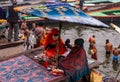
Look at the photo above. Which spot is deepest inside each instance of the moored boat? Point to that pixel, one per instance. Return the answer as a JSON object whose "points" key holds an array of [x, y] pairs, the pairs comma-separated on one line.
{"points": [[110, 13]]}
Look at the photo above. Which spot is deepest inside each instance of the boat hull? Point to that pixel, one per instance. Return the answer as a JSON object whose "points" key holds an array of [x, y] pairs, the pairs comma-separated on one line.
{"points": [[106, 19]]}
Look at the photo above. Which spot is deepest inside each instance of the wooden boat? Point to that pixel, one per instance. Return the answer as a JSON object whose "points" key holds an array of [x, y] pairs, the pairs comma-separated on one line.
{"points": [[29, 18], [102, 1], [110, 13]]}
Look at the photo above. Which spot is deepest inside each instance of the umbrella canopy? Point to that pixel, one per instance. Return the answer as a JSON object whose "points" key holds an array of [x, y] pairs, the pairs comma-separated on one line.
{"points": [[62, 12]]}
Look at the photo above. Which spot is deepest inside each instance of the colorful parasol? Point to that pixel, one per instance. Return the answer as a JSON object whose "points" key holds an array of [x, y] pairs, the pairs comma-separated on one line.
{"points": [[62, 12]]}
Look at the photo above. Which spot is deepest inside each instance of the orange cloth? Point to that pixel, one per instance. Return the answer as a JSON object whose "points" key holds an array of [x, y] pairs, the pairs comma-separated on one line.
{"points": [[42, 40], [39, 32], [92, 40], [49, 40], [94, 53]]}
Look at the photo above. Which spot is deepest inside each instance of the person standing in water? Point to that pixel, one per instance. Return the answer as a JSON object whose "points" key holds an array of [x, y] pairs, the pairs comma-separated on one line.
{"points": [[115, 54], [92, 41], [108, 48]]}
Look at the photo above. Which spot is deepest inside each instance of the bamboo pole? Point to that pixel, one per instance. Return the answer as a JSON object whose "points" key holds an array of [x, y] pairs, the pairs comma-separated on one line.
{"points": [[117, 75], [58, 49], [115, 27]]}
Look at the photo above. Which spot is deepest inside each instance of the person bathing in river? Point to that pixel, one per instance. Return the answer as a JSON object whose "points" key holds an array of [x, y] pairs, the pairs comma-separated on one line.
{"points": [[51, 44], [115, 55], [92, 41], [75, 65], [108, 48], [93, 52]]}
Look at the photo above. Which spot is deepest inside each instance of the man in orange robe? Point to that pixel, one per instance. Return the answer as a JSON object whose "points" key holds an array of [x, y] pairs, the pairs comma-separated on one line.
{"points": [[51, 44]]}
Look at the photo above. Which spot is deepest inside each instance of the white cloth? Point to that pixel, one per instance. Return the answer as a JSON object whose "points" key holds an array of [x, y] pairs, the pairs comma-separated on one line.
{"points": [[30, 42]]}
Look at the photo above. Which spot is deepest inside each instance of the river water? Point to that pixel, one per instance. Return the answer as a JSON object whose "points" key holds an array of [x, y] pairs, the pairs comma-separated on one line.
{"points": [[101, 34]]}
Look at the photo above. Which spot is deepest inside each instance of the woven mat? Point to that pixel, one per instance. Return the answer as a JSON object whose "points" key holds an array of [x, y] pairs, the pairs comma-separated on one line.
{"points": [[23, 69]]}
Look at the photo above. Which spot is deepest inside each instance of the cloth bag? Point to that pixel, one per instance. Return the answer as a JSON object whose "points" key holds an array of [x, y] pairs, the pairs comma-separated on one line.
{"points": [[95, 76]]}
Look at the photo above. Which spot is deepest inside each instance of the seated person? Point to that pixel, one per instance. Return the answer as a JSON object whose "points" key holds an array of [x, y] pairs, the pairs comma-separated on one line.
{"points": [[75, 65], [67, 44], [51, 44]]}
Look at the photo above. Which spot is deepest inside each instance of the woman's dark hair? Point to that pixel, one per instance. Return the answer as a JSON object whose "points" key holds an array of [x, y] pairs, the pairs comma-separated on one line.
{"points": [[14, 3], [67, 41], [40, 24], [79, 42], [29, 25], [107, 41]]}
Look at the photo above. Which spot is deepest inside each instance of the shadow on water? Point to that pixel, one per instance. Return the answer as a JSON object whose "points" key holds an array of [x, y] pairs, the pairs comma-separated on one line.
{"points": [[115, 66]]}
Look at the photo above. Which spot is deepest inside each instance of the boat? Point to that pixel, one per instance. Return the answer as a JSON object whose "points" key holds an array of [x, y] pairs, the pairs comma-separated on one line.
{"points": [[32, 18], [102, 1], [110, 13]]}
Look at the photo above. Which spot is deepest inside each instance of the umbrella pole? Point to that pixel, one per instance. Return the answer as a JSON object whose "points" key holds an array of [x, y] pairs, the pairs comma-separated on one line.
{"points": [[117, 75], [57, 55]]}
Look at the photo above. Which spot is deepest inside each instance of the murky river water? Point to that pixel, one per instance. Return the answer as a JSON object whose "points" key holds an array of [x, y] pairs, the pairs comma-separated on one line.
{"points": [[101, 34]]}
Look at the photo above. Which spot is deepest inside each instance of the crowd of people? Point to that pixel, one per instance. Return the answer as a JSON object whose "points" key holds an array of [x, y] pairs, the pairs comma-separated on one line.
{"points": [[108, 48], [75, 64], [53, 45], [35, 35]]}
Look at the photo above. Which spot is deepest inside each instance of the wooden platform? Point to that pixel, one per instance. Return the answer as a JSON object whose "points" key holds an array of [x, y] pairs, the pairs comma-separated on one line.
{"points": [[10, 44], [33, 52]]}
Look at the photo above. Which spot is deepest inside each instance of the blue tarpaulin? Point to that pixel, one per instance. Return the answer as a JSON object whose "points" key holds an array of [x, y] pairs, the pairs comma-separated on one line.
{"points": [[63, 12]]}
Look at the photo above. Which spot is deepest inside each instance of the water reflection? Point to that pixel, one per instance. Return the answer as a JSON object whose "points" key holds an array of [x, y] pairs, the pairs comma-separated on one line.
{"points": [[115, 66], [106, 63]]}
